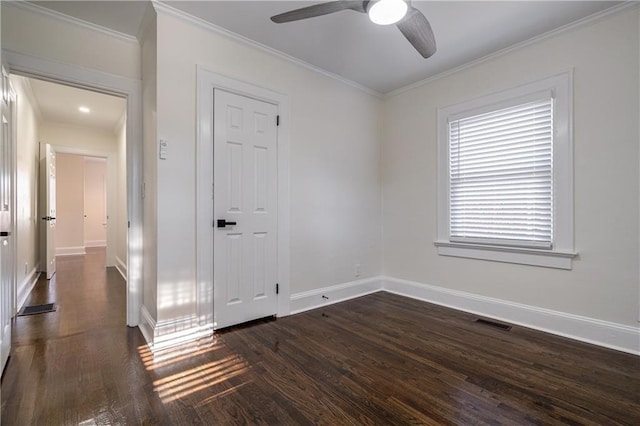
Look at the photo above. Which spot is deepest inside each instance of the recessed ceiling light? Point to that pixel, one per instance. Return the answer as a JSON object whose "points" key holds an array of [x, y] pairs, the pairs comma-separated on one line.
{"points": [[84, 109]]}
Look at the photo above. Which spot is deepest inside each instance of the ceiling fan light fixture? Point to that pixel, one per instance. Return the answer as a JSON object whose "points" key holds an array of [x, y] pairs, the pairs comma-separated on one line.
{"points": [[387, 12]]}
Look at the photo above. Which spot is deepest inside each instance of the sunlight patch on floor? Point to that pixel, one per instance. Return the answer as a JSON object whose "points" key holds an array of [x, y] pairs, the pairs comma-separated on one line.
{"points": [[199, 378], [153, 361]]}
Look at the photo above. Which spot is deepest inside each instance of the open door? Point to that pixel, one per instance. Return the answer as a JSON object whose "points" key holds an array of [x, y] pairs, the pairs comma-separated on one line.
{"points": [[48, 209], [7, 217]]}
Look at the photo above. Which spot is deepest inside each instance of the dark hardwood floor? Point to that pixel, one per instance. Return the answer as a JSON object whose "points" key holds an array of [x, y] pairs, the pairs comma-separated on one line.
{"points": [[379, 359]]}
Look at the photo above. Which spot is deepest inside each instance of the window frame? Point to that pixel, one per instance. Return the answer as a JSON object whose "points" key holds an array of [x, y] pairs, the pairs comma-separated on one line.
{"points": [[561, 253]]}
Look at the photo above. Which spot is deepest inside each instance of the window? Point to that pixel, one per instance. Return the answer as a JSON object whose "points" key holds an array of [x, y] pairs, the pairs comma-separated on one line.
{"points": [[505, 176]]}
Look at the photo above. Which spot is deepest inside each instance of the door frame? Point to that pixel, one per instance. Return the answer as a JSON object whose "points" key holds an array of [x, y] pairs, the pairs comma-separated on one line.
{"points": [[8, 93], [207, 81], [112, 173], [131, 90]]}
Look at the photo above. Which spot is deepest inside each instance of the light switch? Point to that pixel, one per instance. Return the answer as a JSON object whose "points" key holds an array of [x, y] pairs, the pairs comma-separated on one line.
{"points": [[164, 149]]}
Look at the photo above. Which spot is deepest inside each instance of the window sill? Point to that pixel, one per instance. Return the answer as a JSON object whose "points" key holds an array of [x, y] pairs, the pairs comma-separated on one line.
{"points": [[524, 256]]}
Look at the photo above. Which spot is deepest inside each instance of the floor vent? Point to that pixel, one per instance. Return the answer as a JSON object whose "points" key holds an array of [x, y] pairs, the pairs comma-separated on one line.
{"points": [[37, 309], [490, 323]]}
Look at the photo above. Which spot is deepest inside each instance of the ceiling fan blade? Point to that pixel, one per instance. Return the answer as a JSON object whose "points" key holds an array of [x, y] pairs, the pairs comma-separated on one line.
{"points": [[417, 30], [318, 10]]}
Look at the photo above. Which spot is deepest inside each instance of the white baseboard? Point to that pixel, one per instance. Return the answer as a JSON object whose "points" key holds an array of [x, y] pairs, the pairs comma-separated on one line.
{"points": [[26, 286], [164, 335], [96, 243], [313, 299], [70, 251], [121, 267], [147, 325], [603, 333]]}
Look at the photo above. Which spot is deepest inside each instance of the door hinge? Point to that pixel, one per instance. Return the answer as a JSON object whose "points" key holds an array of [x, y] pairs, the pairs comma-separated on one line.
{"points": [[277, 120], [128, 224], [277, 288]]}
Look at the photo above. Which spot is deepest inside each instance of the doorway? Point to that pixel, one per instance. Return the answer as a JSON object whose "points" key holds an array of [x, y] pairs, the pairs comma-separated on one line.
{"points": [[75, 131], [130, 90], [274, 120]]}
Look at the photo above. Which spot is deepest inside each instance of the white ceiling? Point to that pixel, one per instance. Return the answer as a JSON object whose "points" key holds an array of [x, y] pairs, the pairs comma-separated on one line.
{"points": [[59, 104], [349, 45]]}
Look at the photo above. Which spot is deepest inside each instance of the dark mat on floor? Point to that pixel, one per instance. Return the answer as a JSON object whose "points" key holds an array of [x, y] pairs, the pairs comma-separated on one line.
{"points": [[37, 309]]}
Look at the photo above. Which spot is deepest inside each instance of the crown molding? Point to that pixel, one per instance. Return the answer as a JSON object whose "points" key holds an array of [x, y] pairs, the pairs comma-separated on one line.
{"points": [[24, 5], [170, 10], [565, 28]]}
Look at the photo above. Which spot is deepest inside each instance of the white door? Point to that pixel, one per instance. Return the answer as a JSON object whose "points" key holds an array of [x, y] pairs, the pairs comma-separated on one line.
{"points": [[7, 241], [48, 208], [245, 198]]}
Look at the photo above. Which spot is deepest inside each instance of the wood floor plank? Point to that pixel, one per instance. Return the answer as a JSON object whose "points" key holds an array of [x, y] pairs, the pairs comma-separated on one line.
{"points": [[378, 359]]}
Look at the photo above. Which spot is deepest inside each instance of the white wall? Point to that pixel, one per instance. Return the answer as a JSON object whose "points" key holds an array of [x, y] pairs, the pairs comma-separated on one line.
{"points": [[69, 204], [604, 281], [121, 215], [27, 185], [78, 137], [149, 126], [334, 168], [42, 36], [95, 202]]}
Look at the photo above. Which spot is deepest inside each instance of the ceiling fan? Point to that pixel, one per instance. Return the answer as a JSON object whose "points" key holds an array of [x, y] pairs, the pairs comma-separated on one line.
{"points": [[409, 20]]}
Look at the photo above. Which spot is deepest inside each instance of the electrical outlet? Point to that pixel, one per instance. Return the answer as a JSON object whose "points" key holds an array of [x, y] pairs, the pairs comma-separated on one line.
{"points": [[357, 271]]}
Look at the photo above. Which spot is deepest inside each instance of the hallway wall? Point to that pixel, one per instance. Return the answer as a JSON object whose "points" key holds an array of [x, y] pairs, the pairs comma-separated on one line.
{"points": [[27, 133], [95, 192], [69, 204], [122, 215]]}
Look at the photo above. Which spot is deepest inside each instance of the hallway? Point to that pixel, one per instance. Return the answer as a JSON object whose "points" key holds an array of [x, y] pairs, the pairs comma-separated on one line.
{"points": [[81, 362]]}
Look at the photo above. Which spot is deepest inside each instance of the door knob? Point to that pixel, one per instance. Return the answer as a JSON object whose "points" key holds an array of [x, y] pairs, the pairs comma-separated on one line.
{"points": [[48, 218], [223, 223]]}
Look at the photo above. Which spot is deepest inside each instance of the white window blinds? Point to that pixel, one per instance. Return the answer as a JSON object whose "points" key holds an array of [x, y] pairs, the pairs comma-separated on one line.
{"points": [[501, 176]]}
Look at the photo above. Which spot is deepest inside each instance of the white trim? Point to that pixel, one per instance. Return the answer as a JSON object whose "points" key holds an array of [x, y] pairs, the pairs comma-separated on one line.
{"points": [[565, 28], [561, 255], [603, 333], [206, 83], [96, 243], [170, 10], [121, 266], [172, 333], [95, 80], [71, 20], [177, 332], [24, 289], [524, 256], [147, 325], [70, 251], [313, 299], [598, 332]]}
